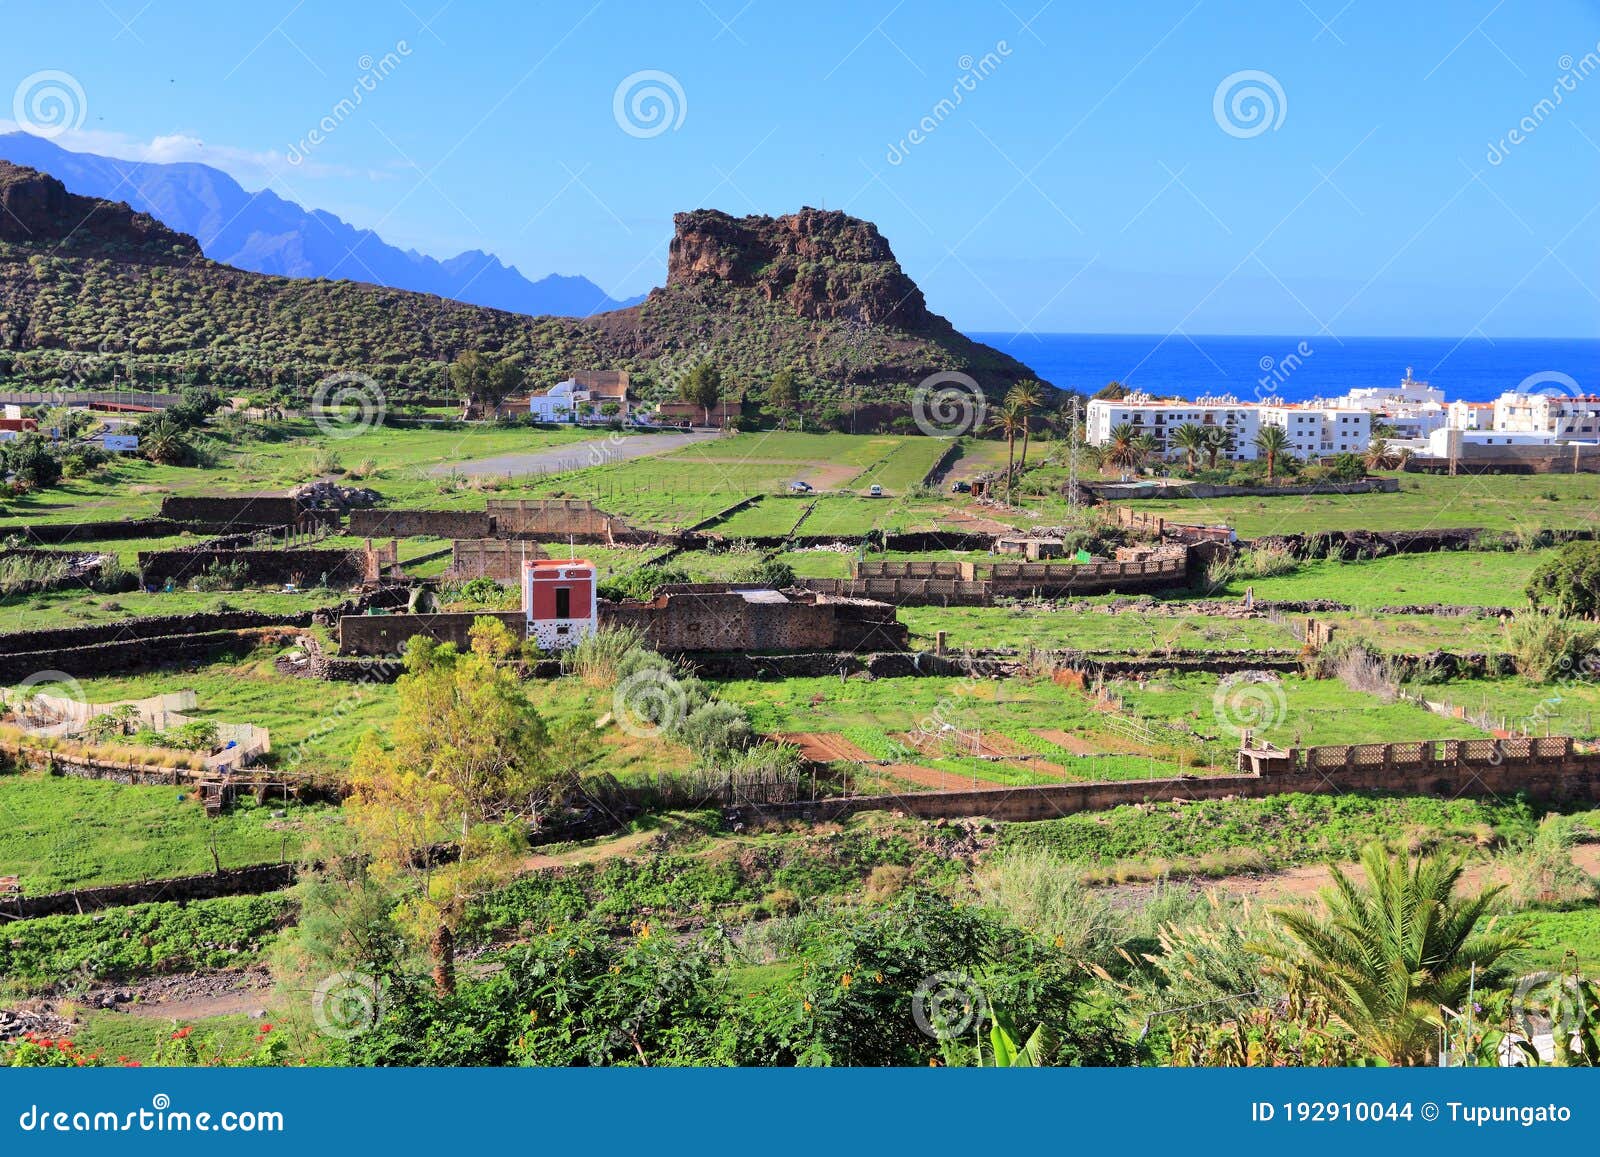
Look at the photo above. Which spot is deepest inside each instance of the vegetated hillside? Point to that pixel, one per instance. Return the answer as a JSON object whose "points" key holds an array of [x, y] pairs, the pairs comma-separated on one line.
{"points": [[264, 233], [90, 290]]}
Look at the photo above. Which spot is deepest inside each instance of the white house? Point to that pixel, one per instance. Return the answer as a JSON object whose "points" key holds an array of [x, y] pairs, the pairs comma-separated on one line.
{"points": [[1317, 431], [1457, 443], [560, 403]]}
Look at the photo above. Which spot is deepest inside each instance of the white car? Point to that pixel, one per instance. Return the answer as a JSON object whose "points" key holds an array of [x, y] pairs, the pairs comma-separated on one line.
{"points": [[875, 490]]}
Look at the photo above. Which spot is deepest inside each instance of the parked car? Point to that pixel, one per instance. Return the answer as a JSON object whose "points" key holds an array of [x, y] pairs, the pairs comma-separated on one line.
{"points": [[875, 490], [960, 488], [798, 487]]}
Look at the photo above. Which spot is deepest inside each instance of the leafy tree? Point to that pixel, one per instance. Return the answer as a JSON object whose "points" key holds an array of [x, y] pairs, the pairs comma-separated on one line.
{"points": [[1112, 391], [469, 374], [1569, 582], [1387, 954], [783, 395], [1272, 441], [504, 378], [702, 386], [465, 763]]}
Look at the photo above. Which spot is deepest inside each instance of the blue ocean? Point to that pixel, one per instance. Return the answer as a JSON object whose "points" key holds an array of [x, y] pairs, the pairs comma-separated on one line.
{"points": [[1298, 369]]}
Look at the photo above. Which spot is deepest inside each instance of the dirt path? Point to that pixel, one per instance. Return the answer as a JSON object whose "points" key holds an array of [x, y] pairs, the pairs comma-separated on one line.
{"points": [[606, 848], [825, 747], [577, 455], [191, 996]]}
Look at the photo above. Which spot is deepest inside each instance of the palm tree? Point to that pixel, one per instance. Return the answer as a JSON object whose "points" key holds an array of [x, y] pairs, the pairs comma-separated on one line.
{"points": [[1027, 397], [1008, 419], [1389, 954], [1191, 438], [1380, 455], [1217, 439], [1127, 447], [1272, 441]]}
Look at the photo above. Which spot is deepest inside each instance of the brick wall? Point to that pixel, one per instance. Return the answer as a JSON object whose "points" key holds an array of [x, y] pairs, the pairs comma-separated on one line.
{"points": [[408, 523], [387, 634], [1456, 770], [256, 510], [495, 558], [711, 621]]}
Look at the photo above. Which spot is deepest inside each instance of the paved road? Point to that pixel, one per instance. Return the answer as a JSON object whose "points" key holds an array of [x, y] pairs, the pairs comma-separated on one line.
{"points": [[576, 455]]}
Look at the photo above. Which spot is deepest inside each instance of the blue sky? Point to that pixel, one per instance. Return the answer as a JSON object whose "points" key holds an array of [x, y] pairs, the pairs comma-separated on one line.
{"points": [[1087, 180]]}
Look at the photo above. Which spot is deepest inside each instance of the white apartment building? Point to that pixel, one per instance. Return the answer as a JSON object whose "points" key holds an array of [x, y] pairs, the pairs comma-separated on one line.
{"points": [[1409, 392], [1564, 417], [1147, 415], [1471, 416], [1314, 431]]}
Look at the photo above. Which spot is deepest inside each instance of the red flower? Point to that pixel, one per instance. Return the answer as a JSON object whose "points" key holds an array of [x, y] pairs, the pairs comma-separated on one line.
{"points": [[43, 1042], [182, 1032], [264, 1029]]}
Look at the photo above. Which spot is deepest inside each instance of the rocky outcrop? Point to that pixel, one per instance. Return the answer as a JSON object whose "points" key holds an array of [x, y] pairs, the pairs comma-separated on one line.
{"points": [[822, 264], [37, 210]]}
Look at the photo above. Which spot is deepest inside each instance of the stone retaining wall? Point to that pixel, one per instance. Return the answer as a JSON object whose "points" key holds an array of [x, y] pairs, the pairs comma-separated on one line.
{"points": [[1447, 768], [255, 509], [339, 568], [251, 881]]}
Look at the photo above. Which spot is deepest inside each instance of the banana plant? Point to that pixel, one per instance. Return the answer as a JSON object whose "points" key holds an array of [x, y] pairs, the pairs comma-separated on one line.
{"points": [[1004, 1051]]}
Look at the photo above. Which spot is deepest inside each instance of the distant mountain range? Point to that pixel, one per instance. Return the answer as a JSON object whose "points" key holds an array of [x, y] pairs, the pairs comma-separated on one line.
{"points": [[263, 233]]}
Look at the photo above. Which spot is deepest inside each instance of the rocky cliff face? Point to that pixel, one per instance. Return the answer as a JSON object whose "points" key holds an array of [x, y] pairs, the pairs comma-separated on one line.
{"points": [[824, 265], [37, 211]]}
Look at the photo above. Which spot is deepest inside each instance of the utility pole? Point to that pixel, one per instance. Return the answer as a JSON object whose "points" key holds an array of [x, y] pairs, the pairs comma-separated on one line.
{"points": [[1074, 436]]}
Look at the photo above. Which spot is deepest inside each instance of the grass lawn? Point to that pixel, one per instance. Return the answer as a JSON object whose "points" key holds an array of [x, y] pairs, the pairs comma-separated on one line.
{"points": [[59, 832], [76, 607], [1291, 711], [1413, 634], [1424, 501], [1460, 578], [1552, 934], [1217, 837], [1521, 706], [314, 726], [133, 488]]}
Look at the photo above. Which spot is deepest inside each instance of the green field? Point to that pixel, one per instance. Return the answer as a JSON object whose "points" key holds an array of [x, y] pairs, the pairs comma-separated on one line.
{"points": [[314, 725], [1518, 705], [1290, 712], [60, 833], [133, 488], [1524, 503], [1460, 578], [74, 607]]}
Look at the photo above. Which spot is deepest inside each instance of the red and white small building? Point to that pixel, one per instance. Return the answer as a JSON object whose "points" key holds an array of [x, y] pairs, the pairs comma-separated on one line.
{"points": [[560, 601]]}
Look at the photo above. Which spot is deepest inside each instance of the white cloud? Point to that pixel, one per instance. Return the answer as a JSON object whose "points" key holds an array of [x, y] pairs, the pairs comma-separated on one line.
{"points": [[254, 169]]}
